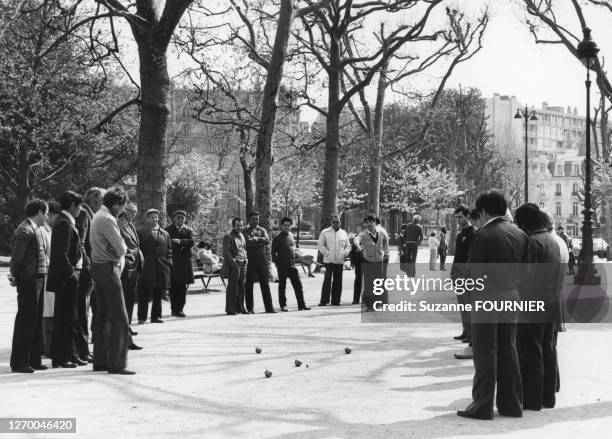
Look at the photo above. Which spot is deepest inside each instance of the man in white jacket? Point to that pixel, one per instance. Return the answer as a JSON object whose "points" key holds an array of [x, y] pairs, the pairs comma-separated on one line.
{"points": [[334, 245]]}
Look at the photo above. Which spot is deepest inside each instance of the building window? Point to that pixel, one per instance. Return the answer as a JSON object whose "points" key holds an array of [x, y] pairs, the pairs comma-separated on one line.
{"points": [[576, 169], [558, 190], [575, 209], [558, 209], [559, 170], [575, 189]]}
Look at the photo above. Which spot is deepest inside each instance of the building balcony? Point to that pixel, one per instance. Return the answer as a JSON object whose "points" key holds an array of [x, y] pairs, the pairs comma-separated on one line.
{"points": [[557, 194]]}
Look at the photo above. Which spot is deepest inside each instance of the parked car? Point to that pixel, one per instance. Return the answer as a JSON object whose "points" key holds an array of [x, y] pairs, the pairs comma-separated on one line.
{"points": [[600, 247]]}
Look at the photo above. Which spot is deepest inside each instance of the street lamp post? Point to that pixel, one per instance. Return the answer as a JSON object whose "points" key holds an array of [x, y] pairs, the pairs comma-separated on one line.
{"points": [[586, 274], [527, 116], [299, 213]]}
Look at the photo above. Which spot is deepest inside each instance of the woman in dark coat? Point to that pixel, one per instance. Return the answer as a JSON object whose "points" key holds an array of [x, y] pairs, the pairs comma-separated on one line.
{"points": [[182, 241], [155, 277]]}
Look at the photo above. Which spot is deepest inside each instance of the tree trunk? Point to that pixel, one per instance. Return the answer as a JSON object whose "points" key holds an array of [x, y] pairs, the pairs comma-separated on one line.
{"points": [[332, 141], [24, 190], [152, 142], [264, 155], [247, 173], [376, 161]]}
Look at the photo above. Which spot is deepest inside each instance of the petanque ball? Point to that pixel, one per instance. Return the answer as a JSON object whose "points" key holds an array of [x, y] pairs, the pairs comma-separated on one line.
{"points": [[268, 373], [347, 350], [258, 350], [298, 363]]}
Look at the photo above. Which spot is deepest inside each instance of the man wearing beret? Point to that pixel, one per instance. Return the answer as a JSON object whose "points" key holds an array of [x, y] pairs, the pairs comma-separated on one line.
{"points": [[181, 276], [155, 277]]}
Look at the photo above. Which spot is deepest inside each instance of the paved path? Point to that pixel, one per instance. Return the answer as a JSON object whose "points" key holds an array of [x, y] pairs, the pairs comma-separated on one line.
{"points": [[200, 377]]}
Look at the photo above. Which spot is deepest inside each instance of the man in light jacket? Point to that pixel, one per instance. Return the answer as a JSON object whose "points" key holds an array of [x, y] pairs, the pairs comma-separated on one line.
{"points": [[375, 246], [334, 245]]}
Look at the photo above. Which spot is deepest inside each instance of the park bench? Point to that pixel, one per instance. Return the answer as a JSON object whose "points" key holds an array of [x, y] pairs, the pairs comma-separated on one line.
{"points": [[198, 273]]}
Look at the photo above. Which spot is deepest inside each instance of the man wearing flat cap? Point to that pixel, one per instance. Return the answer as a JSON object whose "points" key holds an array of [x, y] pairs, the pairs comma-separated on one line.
{"points": [[181, 276], [155, 277]]}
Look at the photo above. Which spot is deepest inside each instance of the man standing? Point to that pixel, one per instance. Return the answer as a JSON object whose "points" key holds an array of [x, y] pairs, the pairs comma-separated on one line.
{"points": [[49, 297], [64, 270], [283, 255], [27, 272], [459, 269], [375, 245], [257, 269], [498, 255], [413, 235], [107, 259], [133, 262], [155, 277], [92, 201], [334, 245], [235, 268], [182, 241]]}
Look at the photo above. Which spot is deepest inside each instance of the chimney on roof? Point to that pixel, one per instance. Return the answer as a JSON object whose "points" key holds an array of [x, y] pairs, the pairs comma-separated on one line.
{"points": [[544, 105], [575, 111]]}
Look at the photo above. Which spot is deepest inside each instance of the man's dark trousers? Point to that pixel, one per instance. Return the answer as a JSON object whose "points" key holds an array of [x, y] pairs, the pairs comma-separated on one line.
{"points": [[129, 282], [538, 360], [112, 329], [372, 271], [178, 294], [82, 338], [358, 283], [258, 268], [27, 335], [332, 283], [287, 269], [466, 318], [496, 362], [65, 320], [234, 294], [144, 295], [412, 248]]}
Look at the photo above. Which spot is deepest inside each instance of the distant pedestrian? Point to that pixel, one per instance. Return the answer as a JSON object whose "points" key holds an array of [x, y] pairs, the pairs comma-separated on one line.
{"points": [[28, 269], [49, 296], [356, 257], [283, 255], [155, 277], [235, 269], [433, 243], [442, 247], [413, 235], [382, 230], [65, 267], [334, 246], [181, 237]]}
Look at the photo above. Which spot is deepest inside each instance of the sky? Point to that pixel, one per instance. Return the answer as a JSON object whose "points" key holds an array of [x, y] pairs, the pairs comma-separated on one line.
{"points": [[511, 63]]}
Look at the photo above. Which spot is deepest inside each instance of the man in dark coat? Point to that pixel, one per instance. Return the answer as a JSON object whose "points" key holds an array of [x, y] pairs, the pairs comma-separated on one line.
{"points": [[92, 201], [182, 241], [234, 268], [413, 235], [155, 277], [536, 331], [63, 279], [27, 273], [498, 256], [133, 262]]}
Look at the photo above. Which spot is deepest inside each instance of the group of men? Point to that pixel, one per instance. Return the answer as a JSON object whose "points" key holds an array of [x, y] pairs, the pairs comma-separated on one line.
{"points": [[514, 351], [77, 252]]}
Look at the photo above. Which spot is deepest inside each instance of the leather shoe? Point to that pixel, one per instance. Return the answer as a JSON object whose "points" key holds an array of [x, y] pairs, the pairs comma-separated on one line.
{"points": [[284, 309], [132, 332], [473, 415], [270, 311], [322, 304], [97, 368], [65, 365], [230, 313], [88, 358], [26, 369], [134, 347], [79, 362], [251, 312], [40, 367], [180, 314], [355, 302], [141, 322], [461, 336], [121, 372], [304, 308], [157, 321]]}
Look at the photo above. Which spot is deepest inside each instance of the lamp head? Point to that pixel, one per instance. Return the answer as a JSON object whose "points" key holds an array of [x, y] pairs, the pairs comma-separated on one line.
{"points": [[533, 116], [587, 48], [518, 114]]}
